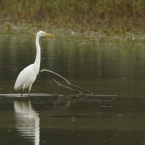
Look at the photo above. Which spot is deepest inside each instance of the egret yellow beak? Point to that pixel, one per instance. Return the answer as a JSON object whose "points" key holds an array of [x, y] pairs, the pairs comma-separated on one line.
{"points": [[49, 35]]}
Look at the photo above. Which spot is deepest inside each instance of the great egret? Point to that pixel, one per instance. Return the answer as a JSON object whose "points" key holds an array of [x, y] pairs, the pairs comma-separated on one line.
{"points": [[28, 75]]}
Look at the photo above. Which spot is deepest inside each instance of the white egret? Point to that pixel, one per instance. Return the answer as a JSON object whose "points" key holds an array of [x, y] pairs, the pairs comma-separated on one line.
{"points": [[28, 75]]}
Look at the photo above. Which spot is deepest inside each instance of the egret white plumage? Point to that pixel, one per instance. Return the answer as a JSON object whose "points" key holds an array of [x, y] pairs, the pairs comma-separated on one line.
{"points": [[28, 75]]}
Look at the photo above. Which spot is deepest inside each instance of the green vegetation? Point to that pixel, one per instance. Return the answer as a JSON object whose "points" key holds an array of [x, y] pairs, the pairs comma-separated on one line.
{"points": [[109, 17]]}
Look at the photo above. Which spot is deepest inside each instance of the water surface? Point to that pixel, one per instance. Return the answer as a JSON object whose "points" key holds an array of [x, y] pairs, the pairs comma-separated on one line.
{"points": [[113, 70]]}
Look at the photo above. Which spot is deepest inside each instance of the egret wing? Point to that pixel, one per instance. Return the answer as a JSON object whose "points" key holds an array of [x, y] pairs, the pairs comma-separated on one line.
{"points": [[24, 77]]}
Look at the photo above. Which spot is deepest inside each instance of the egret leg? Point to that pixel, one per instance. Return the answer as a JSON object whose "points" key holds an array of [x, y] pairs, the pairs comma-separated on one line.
{"points": [[22, 93], [23, 90], [29, 91]]}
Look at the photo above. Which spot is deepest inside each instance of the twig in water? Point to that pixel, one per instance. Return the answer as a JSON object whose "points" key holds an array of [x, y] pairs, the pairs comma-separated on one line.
{"points": [[81, 89], [66, 86], [67, 82]]}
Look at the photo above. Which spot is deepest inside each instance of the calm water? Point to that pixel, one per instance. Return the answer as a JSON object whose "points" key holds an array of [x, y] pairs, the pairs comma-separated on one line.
{"points": [[112, 70]]}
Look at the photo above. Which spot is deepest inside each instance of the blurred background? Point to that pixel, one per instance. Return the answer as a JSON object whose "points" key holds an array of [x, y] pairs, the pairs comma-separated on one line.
{"points": [[109, 17]]}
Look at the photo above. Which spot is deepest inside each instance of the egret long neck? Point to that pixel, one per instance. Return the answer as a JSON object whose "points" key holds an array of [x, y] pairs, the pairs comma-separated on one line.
{"points": [[38, 53]]}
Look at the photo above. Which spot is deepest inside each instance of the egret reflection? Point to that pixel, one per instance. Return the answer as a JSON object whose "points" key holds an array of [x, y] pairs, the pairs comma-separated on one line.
{"points": [[27, 121]]}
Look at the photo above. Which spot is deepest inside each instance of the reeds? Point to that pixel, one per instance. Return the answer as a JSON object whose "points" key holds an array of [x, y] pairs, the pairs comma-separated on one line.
{"points": [[104, 16]]}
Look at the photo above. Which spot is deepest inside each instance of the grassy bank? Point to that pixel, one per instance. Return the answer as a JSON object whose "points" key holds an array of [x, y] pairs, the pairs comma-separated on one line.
{"points": [[109, 17]]}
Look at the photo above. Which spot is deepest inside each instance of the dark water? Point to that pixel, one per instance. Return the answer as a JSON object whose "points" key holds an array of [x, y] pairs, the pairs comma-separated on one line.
{"points": [[112, 69]]}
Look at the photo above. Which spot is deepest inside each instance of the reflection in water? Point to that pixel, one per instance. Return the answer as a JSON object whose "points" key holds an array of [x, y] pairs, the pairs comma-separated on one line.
{"points": [[61, 104], [27, 121]]}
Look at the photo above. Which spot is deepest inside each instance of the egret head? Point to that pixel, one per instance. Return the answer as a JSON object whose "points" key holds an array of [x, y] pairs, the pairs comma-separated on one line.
{"points": [[42, 33]]}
